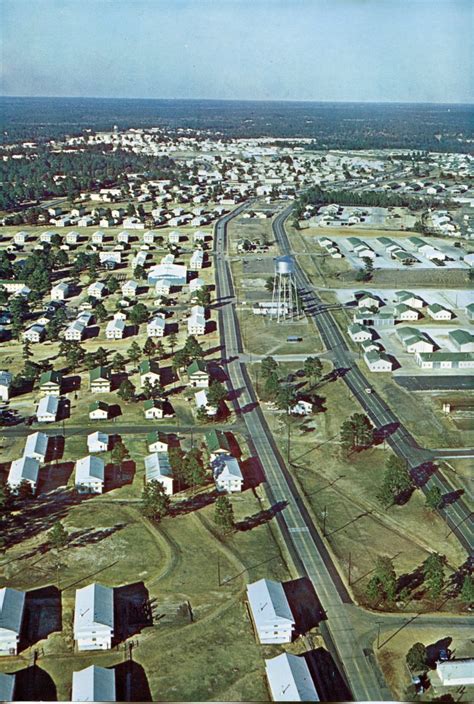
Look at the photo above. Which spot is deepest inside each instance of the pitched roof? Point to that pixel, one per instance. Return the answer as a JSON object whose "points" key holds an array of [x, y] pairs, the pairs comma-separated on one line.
{"points": [[157, 465], [94, 604], [36, 443], [157, 436], [216, 440], [93, 684], [96, 405], [152, 403], [99, 373], [24, 468], [149, 365], [12, 603], [7, 687], [197, 365], [268, 602], [290, 680], [50, 377], [89, 468]]}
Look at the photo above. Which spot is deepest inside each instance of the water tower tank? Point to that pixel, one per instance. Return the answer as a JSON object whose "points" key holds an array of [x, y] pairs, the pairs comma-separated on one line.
{"points": [[284, 265]]}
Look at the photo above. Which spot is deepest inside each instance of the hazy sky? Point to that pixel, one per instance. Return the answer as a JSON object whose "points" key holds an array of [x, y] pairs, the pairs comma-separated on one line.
{"points": [[354, 50]]}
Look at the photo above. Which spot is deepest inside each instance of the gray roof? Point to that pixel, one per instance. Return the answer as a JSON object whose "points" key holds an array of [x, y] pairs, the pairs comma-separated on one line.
{"points": [[48, 404], [93, 684], [290, 680], [226, 466], [7, 687], [23, 468], [12, 603], [157, 465], [36, 443], [268, 603], [89, 468], [94, 605]]}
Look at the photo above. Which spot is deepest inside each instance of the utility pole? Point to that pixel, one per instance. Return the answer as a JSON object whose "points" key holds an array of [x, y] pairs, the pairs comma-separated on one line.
{"points": [[325, 512], [218, 570], [288, 438], [378, 635], [350, 567]]}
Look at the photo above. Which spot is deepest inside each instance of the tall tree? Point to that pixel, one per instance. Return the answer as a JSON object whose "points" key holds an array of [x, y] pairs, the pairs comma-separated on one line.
{"points": [[416, 658], [433, 571], [313, 369], [155, 501], [224, 514], [58, 536]]}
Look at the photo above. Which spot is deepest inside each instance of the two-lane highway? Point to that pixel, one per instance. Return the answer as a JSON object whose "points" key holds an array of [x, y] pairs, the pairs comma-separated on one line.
{"points": [[459, 516], [305, 545]]}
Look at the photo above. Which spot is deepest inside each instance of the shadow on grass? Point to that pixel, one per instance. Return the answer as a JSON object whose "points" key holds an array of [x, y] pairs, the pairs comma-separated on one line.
{"points": [[261, 517], [131, 683], [42, 615], [304, 603], [328, 680], [34, 684], [132, 610]]}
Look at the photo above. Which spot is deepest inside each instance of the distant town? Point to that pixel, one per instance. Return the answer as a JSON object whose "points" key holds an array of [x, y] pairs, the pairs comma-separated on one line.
{"points": [[236, 417]]}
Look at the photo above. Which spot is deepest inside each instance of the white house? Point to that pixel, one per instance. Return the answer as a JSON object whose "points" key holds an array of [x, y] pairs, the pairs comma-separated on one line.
{"points": [[47, 409], [197, 259], [149, 237], [75, 331], [36, 446], [378, 361], [129, 288], [115, 329], [456, 673], [157, 468], [289, 679], [197, 321], [404, 312], [20, 237], [12, 607], [98, 442], [153, 409], [123, 237], [359, 333], [201, 402], [90, 475], [227, 474], [438, 312], [97, 289], [98, 410], [25, 469], [156, 327], [59, 292], [98, 237], [195, 285], [93, 684], [174, 237], [462, 340], [302, 408], [409, 299], [34, 333], [94, 617], [5, 382], [157, 442], [271, 613]]}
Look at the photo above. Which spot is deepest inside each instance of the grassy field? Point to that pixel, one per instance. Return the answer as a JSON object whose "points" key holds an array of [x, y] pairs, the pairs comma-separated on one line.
{"points": [[391, 658], [176, 565], [264, 336], [343, 489]]}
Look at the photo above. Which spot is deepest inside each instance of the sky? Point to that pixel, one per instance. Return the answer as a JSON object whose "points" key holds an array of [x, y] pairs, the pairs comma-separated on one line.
{"points": [[317, 50]]}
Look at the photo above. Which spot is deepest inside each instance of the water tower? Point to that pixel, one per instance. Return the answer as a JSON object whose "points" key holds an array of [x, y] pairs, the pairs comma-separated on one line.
{"points": [[285, 294]]}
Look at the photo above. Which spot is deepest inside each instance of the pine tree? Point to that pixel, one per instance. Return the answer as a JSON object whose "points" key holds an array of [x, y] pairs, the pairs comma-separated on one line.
{"points": [[224, 514], [433, 571], [433, 498], [58, 536], [416, 657], [467, 590], [126, 391], [155, 501]]}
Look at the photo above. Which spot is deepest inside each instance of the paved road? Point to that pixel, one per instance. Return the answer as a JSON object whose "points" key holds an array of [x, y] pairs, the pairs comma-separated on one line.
{"points": [[22, 430], [303, 541], [459, 516]]}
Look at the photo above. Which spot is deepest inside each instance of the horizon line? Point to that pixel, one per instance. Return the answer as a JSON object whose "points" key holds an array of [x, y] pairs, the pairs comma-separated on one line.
{"points": [[236, 100]]}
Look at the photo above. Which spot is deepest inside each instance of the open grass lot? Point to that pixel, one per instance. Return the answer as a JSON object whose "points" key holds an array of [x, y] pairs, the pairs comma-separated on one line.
{"points": [[175, 565], [262, 336], [391, 658], [344, 488], [419, 412]]}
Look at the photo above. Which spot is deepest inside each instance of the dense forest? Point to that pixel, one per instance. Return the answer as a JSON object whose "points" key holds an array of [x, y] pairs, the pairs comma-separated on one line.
{"points": [[378, 199], [32, 179], [331, 125]]}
